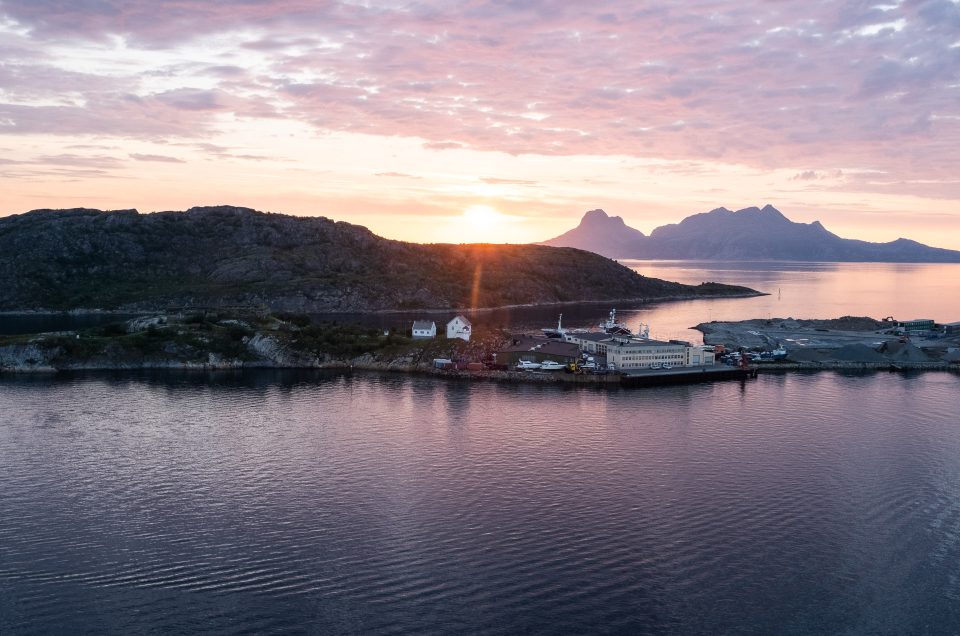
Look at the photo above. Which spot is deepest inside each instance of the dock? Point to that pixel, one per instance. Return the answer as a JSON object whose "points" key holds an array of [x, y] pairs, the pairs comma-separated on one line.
{"points": [[684, 375]]}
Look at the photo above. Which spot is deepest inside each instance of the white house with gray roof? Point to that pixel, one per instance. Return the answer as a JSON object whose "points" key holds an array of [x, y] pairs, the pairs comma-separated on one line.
{"points": [[424, 329], [459, 327]]}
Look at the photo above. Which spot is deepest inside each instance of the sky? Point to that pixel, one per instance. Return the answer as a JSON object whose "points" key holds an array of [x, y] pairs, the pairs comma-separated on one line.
{"points": [[502, 121]]}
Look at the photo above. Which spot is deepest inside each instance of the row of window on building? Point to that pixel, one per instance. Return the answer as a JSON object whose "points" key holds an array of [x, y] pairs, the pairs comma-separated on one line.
{"points": [[637, 353]]}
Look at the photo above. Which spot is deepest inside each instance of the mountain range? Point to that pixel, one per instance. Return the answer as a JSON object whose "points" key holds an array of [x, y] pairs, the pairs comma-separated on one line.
{"points": [[228, 256], [748, 234]]}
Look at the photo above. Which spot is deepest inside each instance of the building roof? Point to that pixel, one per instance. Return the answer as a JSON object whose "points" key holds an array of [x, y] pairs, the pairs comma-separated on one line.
{"points": [[524, 343], [592, 336], [557, 348], [548, 346], [424, 324], [461, 317], [647, 343]]}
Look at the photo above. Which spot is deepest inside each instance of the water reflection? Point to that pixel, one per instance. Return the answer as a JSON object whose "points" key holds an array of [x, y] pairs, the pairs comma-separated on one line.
{"points": [[381, 503], [799, 290]]}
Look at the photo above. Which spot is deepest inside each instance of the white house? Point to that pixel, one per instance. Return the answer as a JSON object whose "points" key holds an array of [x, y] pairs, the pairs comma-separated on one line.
{"points": [[424, 329], [459, 327]]}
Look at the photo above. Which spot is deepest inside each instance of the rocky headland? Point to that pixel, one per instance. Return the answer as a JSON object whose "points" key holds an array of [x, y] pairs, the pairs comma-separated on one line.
{"points": [[229, 257]]}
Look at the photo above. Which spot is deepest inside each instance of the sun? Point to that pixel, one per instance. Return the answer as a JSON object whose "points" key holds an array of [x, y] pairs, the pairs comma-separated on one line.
{"points": [[482, 217]]}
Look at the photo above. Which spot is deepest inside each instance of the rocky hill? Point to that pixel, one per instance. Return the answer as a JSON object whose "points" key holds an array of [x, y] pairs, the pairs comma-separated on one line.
{"points": [[748, 234], [230, 256]]}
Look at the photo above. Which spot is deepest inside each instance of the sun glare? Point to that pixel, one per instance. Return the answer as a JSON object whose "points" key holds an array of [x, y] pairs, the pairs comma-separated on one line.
{"points": [[482, 217]]}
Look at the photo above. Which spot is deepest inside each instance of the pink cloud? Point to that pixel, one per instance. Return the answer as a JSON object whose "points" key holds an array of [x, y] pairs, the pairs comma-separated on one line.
{"points": [[156, 158], [761, 83]]}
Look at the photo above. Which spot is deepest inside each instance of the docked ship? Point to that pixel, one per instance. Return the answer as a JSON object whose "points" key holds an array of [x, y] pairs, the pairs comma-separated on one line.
{"points": [[550, 332], [613, 327], [610, 326]]}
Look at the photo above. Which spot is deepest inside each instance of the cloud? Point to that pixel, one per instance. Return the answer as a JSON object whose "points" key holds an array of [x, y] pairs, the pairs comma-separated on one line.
{"points": [[83, 161], [443, 145], [401, 175], [158, 158], [496, 181], [757, 83]]}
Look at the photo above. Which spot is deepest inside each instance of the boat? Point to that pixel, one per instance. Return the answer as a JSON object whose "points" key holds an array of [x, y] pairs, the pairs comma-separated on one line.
{"points": [[550, 332], [525, 365], [611, 326], [551, 365]]}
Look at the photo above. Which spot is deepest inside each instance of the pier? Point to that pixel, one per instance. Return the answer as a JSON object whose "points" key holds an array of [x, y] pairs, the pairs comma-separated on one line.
{"points": [[684, 375]]}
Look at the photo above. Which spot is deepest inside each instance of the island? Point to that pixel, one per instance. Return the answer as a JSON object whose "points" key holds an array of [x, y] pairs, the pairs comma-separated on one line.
{"points": [[232, 258]]}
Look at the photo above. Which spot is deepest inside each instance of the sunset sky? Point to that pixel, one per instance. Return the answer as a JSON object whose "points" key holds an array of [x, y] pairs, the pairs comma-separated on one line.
{"points": [[488, 121]]}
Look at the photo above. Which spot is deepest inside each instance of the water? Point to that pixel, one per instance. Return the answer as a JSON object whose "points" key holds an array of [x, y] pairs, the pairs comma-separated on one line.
{"points": [[271, 502], [806, 290], [800, 290], [277, 502]]}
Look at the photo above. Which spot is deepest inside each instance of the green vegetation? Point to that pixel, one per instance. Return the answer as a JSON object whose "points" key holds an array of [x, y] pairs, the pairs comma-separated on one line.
{"points": [[198, 337], [342, 340], [191, 340]]}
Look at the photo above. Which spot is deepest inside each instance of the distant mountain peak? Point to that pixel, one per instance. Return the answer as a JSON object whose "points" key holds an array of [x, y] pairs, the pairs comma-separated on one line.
{"points": [[751, 233], [598, 216], [601, 233], [771, 212]]}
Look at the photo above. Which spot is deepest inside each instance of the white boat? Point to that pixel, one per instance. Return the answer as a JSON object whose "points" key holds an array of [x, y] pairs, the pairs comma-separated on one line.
{"points": [[551, 365], [527, 365]]}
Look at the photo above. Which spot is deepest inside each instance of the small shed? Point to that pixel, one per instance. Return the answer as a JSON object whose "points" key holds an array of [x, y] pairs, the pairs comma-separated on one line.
{"points": [[459, 327], [424, 329]]}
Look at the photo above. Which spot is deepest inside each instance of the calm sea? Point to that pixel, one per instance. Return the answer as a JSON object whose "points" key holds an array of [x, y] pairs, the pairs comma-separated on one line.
{"points": [[797, 290], [276, 502]]}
